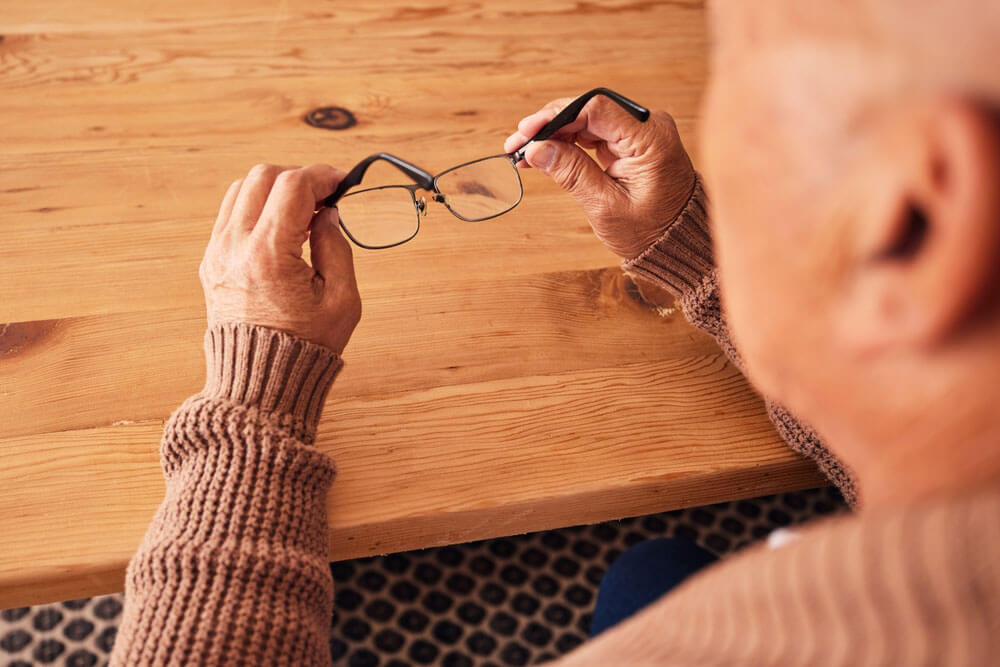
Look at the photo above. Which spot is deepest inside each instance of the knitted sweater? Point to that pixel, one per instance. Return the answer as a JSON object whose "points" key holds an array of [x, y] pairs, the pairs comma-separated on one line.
{"points": [[233, 568]]}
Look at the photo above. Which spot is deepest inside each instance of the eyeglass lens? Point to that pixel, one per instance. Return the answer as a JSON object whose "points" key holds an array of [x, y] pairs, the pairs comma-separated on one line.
{"points": [[481, 190], [385, 216], [379, 217]]}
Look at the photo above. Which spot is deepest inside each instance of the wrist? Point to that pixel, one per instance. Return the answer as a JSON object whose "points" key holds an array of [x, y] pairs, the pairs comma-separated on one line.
{"points": [[639, 245], [272, 371], [682, 255]]}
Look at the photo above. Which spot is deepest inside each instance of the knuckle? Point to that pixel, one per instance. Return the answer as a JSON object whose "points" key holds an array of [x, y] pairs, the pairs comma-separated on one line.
{"points": [[664, 128], [293, 178], [600, 104], [262, 170], [664, 118], [322, 168], [603, 108], [558, 104]]}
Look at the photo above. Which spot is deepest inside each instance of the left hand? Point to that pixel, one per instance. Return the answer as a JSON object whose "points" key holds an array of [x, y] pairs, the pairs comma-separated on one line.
{"points": [[254, 272]]}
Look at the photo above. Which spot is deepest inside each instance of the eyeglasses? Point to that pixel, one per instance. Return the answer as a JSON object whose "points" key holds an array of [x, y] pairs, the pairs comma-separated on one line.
{"points": [[387, 216]]}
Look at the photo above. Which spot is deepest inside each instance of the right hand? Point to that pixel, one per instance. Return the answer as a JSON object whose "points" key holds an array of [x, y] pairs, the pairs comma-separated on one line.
{"points": [[644, 179], [254, 272]]}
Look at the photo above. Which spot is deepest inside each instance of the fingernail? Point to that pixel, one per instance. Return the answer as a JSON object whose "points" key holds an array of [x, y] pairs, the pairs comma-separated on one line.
{"points": [[542, 157]]}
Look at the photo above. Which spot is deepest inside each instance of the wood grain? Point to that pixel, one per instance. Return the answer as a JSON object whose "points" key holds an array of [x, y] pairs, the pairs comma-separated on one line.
{"points": [[563, 448], [70, 373], [505, 378]]}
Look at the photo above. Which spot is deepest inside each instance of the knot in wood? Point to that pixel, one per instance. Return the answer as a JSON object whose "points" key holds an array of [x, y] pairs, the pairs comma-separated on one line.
{"points": [[331, 118]]}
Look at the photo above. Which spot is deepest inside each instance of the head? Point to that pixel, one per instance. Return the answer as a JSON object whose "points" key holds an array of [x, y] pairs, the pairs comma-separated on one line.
{"points": [[852, 152]]}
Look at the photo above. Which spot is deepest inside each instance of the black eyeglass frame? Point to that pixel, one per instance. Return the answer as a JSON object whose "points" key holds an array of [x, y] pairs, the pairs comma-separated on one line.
{"points": [[424, 180]]}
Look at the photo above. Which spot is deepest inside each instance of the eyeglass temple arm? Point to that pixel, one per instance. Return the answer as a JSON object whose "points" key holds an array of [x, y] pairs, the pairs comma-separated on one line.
{"points": [[573, 109], [422, 178]]}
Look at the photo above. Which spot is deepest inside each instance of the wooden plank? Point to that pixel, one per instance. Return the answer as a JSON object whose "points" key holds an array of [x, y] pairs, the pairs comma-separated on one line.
{"points": [[73, 373], [572, 16], [463, 462]]}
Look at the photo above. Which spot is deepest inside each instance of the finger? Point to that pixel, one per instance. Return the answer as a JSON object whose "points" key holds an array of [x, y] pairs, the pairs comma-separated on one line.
{"points": [[514, 141], [575, 171], [529, 126], [289, 209], [226, 209], [600, 120], [574, 132], [533, 124], [252, 196], [330, 252], [518, 140]]}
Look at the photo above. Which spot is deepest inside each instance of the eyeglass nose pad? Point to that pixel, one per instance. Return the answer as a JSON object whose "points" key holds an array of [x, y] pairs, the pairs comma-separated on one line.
{"points": [[421, 205]]}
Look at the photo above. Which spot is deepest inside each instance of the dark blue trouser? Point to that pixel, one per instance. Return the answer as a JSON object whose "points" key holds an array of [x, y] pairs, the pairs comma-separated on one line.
{"points": [[642, 575]]}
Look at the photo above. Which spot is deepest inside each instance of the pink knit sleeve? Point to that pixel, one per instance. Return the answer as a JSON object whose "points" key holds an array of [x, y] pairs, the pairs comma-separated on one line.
{"points": [[682, 262], [234, 566]]}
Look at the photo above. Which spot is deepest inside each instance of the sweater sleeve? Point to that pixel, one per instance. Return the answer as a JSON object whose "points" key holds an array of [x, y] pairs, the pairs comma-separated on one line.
{"points": [[682, 262], [234, 566]]}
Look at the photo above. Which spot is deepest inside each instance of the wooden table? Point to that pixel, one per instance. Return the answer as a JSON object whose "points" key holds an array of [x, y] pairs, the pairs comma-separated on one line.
{"points": [[505, 378]]}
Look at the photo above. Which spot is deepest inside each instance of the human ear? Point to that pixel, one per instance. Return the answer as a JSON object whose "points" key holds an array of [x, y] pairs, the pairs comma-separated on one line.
{"points": [[925, 257]]}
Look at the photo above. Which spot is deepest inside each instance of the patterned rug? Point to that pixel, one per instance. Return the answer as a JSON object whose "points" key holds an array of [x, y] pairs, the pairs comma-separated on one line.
{"points": [[508, 601]]}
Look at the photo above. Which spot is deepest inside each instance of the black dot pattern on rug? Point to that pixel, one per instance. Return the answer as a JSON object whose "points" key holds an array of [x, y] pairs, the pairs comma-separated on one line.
{"points": [[510, 601], [48, 650], [47, 618], [78, 629], [81, 658], [11, 615], [14, 641], [76, 633], [76, 604], [108, 608], [525, 599]]}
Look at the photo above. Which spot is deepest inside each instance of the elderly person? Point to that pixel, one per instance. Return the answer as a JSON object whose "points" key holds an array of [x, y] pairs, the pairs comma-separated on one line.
{"points": [[852, 151]]}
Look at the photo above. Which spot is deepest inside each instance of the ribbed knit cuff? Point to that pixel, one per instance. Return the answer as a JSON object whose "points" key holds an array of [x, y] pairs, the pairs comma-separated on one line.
{"points": [[272, 371], [681, 258]]}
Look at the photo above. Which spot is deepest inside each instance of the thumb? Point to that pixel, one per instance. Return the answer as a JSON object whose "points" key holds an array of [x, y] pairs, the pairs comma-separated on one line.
{"points": [[575, 171], [330, 252]]}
